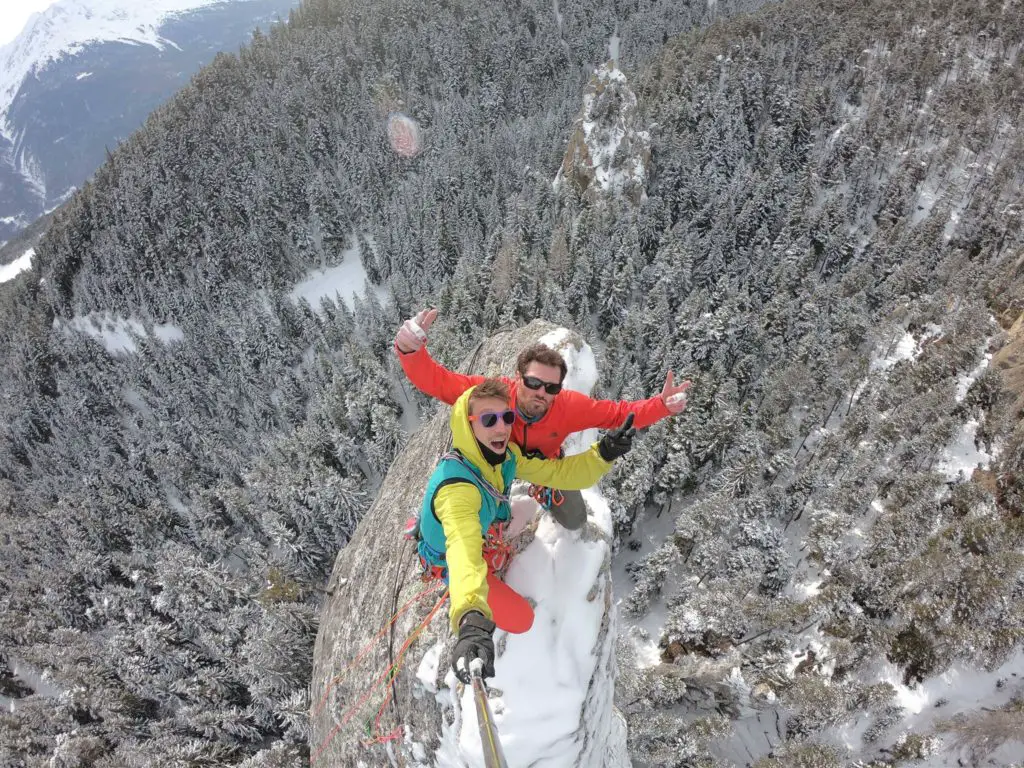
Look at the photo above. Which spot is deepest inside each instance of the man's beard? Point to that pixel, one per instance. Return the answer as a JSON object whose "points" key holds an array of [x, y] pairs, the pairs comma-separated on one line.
{"points": [[534, 411]]}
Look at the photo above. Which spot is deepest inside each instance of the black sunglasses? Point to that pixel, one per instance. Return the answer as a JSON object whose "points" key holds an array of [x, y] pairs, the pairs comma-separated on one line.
{"points": [[490, 418], [532, 382]]}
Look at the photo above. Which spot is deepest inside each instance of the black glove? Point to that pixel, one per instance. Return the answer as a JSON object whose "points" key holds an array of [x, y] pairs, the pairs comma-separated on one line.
{"points": [[617, 442], [476, 641]]}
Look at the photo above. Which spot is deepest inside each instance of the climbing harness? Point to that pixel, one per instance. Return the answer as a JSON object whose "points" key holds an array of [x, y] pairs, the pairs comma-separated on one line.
{"points": [[497, 551]]}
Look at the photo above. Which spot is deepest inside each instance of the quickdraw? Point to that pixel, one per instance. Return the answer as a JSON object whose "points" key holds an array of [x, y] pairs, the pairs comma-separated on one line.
{"points": [[546, 497], [497, 550]]}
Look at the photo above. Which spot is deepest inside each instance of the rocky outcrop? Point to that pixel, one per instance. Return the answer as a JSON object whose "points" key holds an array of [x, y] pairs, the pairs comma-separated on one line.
{"points": [[377, 574], [1009, 361], [607, 153]]}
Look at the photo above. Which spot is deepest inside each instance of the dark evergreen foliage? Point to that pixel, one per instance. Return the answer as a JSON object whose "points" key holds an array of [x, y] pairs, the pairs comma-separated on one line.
{"points": [[170, 510]]}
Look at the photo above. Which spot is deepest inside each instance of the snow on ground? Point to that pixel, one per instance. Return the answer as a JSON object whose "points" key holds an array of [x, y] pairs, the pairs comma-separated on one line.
{"points": [[549, 677], [16, 267], [580, 376], [32, 678], [30, 169], [613, 46], [899, 348], [116, 333], [61, 199], [960, 458], [558, 15], [544, 675], [650, 530], [966, 380], [347, 280], [927, 194], [558, 22], [959, 690], [18, 220], [426, 672], [904, 348]]}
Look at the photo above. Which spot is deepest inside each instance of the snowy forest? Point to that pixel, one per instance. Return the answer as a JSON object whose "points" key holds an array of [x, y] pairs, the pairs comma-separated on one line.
{"points": [[828, 243]]}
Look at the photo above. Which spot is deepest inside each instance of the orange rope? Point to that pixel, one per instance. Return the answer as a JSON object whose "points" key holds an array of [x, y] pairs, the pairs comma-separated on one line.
{"points": [[401, 655], [348, 713], [369, 645]]}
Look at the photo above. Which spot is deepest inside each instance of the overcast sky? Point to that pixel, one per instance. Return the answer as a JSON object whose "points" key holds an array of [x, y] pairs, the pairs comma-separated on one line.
{"points": [[14, 14]]}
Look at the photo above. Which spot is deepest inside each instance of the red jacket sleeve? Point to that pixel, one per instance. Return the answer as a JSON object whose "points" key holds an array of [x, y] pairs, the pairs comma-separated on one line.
{"points": [[582, 412], [432, 378]]}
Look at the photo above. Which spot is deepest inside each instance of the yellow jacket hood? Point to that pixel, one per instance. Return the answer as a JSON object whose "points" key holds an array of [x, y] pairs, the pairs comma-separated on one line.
{"points": [[464, 439]]}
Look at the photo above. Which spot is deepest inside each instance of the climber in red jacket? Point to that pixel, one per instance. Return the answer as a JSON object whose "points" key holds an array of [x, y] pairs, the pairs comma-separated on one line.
{"points": [[545, 412]]}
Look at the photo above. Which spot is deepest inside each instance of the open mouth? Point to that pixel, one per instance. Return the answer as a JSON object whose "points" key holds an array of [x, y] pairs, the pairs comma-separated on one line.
{"points": [[497, 445]]}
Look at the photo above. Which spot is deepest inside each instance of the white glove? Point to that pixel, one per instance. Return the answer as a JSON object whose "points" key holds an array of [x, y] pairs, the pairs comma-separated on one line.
{"points": [[413, 333], [677, 399]]}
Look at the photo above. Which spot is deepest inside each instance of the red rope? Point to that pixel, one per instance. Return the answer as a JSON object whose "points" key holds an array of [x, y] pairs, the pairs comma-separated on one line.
{"points": [[396, 666], [366, 649], [348, 713]]}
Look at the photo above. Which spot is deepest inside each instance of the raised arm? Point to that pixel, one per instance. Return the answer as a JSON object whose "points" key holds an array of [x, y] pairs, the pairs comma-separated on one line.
{"points": [[574, 473], [458, 508], [425, 373], [582, 412]]}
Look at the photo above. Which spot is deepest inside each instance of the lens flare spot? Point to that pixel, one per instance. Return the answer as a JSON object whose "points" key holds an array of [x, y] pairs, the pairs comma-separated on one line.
{"points": [[404, 135]]}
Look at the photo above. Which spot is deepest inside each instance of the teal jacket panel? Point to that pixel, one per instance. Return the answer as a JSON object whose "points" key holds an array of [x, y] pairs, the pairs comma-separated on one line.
{"points": [[453, 470]]}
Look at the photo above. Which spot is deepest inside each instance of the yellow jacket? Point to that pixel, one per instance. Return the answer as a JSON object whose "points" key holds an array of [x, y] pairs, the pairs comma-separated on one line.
{"points": [[457, 506]]}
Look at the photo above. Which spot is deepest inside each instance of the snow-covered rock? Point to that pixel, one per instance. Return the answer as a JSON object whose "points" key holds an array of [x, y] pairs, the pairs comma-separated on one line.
{"points": [[16, 267], [608, 152]]}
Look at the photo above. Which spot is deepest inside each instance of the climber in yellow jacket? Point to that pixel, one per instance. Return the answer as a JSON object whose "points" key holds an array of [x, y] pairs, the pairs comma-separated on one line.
{"points": [[466, 512]]}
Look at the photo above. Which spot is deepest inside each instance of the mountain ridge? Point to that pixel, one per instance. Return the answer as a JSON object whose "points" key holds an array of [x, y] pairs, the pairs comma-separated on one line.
{"points": [[85, 73]]}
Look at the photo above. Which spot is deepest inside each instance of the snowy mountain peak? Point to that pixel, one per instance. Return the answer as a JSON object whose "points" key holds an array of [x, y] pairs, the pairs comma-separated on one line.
{"points": [[67, 26]]}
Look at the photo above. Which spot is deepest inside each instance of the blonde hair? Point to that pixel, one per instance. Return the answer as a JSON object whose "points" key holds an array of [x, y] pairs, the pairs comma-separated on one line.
{"points": [[495, 388]]}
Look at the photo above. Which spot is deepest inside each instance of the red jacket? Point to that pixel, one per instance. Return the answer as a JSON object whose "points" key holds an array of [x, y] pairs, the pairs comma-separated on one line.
{"points": [[569, 412]]}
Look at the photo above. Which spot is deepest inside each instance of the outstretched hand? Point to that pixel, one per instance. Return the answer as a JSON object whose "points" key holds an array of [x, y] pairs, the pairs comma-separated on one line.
{"points": [[674, 396], [413, 333], [618, 442]]}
